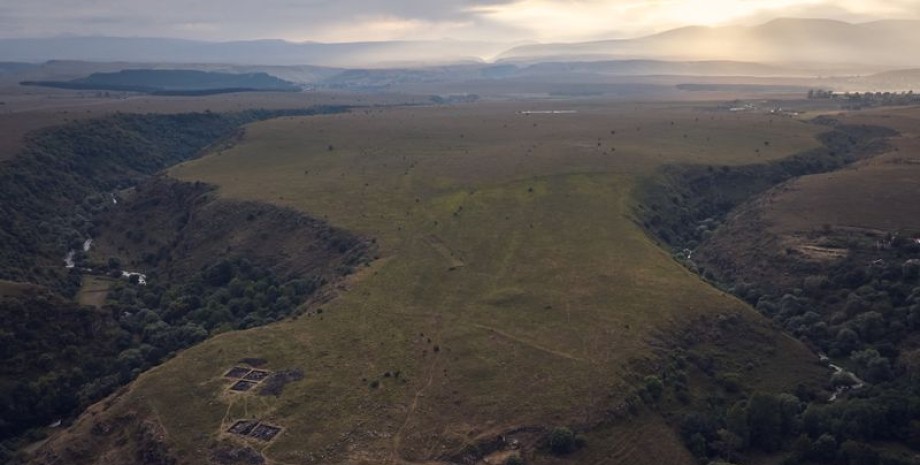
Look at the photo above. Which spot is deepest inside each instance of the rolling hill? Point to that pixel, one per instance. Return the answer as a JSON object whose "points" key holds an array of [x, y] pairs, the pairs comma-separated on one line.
{"points": [[176, 81], [514, 293]]}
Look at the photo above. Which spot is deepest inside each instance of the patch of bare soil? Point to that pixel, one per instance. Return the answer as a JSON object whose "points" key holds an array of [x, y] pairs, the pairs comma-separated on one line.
{"points": [[274, 384], [230, 454]]}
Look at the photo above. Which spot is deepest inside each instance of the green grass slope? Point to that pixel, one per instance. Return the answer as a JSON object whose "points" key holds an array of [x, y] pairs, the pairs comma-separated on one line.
{"points": [[514, 291]]}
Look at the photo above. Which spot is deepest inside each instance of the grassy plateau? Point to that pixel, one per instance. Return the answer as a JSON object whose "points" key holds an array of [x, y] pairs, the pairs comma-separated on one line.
{"points": [[513, 288]]}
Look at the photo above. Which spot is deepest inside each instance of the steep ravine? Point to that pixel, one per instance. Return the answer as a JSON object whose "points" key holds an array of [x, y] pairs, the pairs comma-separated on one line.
{"points": [[694, 211], [60, 357], [859, 302], [681, 205]]}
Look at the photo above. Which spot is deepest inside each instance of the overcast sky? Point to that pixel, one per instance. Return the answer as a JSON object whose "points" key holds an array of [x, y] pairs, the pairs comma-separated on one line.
{"points": [[359, 20]]}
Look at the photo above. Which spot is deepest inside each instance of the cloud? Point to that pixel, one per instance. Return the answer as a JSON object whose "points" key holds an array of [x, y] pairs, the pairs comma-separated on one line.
{"points": [[236, 19], [353, 20], [550, 20], [845, 10]]}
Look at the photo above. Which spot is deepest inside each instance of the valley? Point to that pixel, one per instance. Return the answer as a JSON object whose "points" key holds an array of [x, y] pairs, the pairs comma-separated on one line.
{"points": [[541, 263], [514, 291]]}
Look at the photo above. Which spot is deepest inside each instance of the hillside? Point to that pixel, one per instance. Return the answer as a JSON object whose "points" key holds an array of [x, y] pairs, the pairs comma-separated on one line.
{"points": [[13, 67], [81, 216], [514, 294], [657, 67], [173, 82], [823, 224], [831, 257]]}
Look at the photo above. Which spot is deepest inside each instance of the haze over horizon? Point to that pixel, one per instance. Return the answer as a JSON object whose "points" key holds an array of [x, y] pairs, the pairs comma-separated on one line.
{"points": [[469, 20]]}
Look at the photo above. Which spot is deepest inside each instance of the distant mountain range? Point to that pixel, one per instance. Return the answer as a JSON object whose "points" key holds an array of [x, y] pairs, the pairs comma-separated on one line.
{"points": [[788, 43], [814, 43], [259, 52], [803, 52]]}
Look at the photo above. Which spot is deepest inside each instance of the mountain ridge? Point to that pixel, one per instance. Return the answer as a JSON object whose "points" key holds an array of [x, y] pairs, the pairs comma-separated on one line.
{"points": [[779, 41], [782, 40]]}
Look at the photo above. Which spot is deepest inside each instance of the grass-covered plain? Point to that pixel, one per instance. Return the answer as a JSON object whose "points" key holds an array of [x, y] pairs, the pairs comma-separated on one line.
{"points": [[513, 287]]}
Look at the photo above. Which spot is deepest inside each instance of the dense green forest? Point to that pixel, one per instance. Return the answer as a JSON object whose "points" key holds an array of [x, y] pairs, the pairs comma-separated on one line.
{"points": [[57, 357], [862, 317]]}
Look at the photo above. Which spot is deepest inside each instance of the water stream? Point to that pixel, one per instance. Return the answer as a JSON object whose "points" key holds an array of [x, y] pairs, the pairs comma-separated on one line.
{"points": [[70, 263], [857, 383]]}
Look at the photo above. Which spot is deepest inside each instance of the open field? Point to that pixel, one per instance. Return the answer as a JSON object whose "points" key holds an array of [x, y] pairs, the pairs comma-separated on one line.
{"points": [[513, 290], [26, 109], [878, 194]]}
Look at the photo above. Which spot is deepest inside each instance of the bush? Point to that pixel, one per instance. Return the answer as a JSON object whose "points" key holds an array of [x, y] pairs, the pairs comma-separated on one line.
{"points": [[562, 441], [654, 387], [731, 382], [824, 449]]}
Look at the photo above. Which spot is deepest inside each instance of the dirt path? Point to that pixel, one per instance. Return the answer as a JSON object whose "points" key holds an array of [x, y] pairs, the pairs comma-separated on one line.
{"points": [[397, 438], [531, 344], [438, 245]]}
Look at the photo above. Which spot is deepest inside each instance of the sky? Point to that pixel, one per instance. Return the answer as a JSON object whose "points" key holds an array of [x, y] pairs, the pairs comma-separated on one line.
{"points": [[375, 20]]}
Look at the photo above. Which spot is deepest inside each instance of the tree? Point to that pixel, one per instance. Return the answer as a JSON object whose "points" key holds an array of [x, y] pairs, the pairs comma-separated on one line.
{"points": [[789, 409], [219, 274], [801, 448], [857, 453], [766, 422], [654, 387], [871, 365], [728, 444], [736, 421], [911, 363], [878, 370], [871, 326], [562, 441], [846, 341], [913, 435], [824, 449]]}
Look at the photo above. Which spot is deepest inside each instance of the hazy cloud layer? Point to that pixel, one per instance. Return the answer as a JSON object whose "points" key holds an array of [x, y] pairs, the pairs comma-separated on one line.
{"points": [[356, 20]]}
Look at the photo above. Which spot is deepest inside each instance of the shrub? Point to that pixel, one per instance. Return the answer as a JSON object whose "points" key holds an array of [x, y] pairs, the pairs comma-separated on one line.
{"points": [[562, 441], [731, 382], [654, 387]]}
